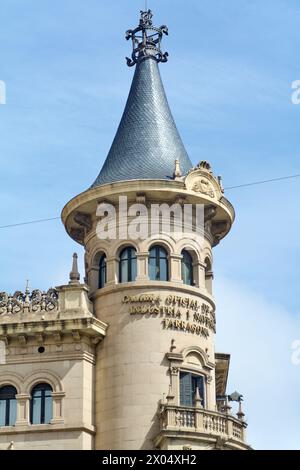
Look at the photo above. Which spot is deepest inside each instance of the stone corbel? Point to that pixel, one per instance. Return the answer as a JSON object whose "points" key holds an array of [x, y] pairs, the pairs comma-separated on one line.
{"points": [[39, 338], [209, 212], [84, 220], [76, 336], [96, 341], [78, 234], [219, 229], [140, 198], [22, 340], [180, 199], [57, 338]]}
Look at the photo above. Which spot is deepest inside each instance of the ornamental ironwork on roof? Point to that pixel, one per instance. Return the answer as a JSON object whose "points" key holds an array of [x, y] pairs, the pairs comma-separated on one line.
{"points": [[147, 143]]}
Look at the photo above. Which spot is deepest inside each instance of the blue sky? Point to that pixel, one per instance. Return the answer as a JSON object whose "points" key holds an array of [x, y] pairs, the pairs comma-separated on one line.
{"points": [[228, 81]]}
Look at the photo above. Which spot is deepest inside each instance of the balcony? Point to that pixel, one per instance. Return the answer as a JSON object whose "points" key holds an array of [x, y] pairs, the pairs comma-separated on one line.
{"points": [[199, 429]]}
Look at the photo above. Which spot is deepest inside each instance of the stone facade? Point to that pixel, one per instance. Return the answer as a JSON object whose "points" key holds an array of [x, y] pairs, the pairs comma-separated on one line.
{"points": [[54, 345], [113, 356], [127, 363]]}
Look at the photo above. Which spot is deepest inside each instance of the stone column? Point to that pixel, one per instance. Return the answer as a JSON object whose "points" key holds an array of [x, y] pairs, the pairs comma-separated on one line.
{"points": [[93, 277], [199, 274], [57, 398], [142, 266], [175, 269], [209, 276], [112, 271], [23, 405]]}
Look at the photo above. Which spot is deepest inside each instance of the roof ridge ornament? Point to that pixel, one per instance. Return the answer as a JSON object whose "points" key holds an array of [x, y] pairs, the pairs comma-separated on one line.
{"points": [[146, 40]]}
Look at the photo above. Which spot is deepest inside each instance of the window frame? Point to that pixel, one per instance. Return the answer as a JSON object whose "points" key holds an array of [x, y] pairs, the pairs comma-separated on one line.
{"points": [[129, 260], [8, 405], [158, 259], [102, 272], [42, 398], [191, 268]]}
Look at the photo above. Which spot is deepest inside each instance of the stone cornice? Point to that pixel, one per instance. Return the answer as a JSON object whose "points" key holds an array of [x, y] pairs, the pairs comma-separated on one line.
{"points": [[51, 357], [42, 428], [154, 191], [89, 326]]}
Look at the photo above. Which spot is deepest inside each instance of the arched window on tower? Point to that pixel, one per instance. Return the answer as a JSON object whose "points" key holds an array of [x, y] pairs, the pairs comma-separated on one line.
{"points": [[127, 265], [41, 404], [8, 406], [102, 271], [187, 268], [158, 264], [208, 275]]}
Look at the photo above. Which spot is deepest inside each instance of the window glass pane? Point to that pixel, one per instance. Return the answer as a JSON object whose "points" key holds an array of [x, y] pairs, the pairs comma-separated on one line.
{"points": [[188, 385], [123, 271], [158, 264], [48, 409], [128, 265], [102, 272], [2, 412], [7, 392], [133, 268], [187, 268], [36, 410], [12, 412], [41, 404], [152, 269], [198, 382], [8, 406], [185, 389], [163, 274]]}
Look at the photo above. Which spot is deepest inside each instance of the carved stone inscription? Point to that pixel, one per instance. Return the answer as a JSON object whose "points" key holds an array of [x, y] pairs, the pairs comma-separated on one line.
{"points": [[176, 312]]}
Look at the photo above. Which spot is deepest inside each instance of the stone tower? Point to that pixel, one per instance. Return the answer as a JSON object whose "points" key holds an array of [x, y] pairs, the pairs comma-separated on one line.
{"points": [[159, 384]]}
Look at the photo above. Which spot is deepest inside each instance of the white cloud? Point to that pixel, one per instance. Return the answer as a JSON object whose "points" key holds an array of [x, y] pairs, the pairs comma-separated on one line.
{"points": [[259, 335]]}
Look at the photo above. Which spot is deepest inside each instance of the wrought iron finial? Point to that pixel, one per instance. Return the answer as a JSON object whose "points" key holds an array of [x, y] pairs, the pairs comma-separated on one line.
{"points": [[146, 40]]}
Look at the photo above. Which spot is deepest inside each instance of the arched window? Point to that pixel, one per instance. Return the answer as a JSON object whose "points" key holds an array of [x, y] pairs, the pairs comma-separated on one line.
{"points": [[41, 404], [187, 268], [102, 271], [8, 406], [128, 265], [158, 264]]}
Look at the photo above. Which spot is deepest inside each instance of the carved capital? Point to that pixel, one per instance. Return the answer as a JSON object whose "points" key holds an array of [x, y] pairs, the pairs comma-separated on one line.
{"points": [[174, 370]]}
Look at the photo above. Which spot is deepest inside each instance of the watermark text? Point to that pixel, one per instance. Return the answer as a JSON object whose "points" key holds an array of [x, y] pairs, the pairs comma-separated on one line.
{"points": [[2, 92], [296, 94]]}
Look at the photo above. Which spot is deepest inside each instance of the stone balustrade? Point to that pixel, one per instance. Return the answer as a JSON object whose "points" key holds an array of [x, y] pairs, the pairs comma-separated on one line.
{"points": [[179, 418]]}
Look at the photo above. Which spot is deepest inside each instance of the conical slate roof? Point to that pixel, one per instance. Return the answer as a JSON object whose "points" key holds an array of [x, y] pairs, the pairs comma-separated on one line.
{"points": [[147, 142]]}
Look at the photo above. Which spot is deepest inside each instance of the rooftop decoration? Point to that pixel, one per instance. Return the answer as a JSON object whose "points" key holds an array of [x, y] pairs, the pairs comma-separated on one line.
{"points": [[146, 40]]}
